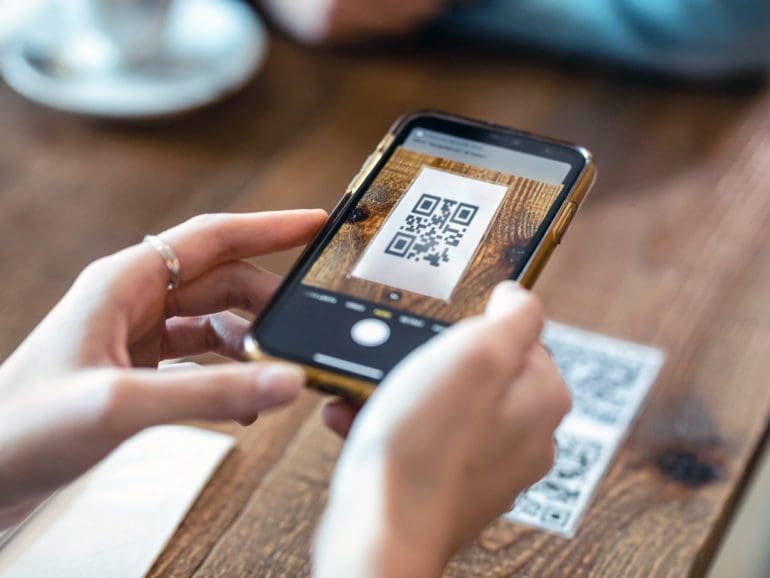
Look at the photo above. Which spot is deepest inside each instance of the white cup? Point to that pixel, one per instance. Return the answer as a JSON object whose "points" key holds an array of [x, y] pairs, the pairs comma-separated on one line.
{"points": [[124, 32]]}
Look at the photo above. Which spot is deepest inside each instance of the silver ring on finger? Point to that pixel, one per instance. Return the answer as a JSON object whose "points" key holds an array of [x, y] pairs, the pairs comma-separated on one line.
{"points": [[169, 259]]}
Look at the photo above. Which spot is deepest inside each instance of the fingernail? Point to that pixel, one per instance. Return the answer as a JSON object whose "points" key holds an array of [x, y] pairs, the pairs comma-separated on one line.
{"points": [[279, 382], [505, 297], [509, 285]]}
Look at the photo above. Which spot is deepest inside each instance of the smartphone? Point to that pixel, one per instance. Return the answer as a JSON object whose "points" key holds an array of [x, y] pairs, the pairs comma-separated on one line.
{"points": [[442, 210]]}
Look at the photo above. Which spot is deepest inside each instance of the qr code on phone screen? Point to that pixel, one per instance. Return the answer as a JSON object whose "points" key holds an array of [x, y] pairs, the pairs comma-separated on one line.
{"points": [[432, 234], [431, 229]]}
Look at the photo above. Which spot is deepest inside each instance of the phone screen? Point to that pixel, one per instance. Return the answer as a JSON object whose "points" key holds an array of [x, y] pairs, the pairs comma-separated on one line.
{"points": [[451, 210]]}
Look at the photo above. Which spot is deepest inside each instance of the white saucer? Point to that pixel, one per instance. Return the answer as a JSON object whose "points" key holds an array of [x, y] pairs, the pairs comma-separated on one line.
{"points": [[212, 48]]}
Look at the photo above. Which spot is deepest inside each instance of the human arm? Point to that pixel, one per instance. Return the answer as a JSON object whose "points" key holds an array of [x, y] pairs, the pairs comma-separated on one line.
{"points": [[86, 378]]}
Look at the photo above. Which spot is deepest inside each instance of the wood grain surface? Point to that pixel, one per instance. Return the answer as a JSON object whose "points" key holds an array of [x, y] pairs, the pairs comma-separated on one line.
{"points": [[503, 249], [671, 249]]}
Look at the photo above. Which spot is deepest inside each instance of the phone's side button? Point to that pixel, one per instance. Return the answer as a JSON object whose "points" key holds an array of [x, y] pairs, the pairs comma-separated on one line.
{"points": [[385, 142], [353, 184], [564, 220]]}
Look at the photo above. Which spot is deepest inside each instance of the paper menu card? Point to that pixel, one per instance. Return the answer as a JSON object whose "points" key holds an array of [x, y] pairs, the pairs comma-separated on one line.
{"points": [[115, 520]]}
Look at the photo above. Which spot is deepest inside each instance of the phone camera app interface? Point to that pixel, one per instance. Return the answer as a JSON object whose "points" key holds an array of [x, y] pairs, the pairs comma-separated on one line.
{"points": [[444, 221]]}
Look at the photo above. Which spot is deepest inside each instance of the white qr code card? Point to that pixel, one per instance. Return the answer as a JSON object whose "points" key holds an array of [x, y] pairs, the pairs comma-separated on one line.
{"points": [[609, 380], [432, 234]]}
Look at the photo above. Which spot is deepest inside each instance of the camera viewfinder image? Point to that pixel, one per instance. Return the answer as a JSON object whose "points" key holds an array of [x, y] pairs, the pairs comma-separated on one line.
{"points": [[437, 233]]}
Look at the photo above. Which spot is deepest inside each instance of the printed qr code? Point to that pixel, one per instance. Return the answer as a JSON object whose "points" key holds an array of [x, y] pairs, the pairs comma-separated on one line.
{"points": [[431, 229], [576, 456], [600, 383], [552, 502], [609, 380]]}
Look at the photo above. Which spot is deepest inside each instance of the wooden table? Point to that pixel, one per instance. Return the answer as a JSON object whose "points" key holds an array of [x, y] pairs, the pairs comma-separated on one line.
{"points": [[672, 249]]}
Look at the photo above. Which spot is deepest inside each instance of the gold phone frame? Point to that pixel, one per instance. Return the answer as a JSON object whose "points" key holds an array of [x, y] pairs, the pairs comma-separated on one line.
{"points": [[360, 389]]}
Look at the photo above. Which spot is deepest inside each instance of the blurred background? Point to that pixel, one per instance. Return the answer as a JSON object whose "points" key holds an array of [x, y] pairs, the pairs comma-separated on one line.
{"points": [[122, 117]]}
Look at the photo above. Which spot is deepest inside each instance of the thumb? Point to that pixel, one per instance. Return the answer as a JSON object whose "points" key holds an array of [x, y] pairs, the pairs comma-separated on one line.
{"points": [[233, 391], [515, 315], [506, 297]]}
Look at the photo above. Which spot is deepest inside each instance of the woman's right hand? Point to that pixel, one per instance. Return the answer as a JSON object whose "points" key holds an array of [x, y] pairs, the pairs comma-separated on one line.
{"points": [[444, 446]]}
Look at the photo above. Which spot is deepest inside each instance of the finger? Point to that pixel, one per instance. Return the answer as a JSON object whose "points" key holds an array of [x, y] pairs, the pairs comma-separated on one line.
{"points": [[222, 333], [209, 240], [186, 366], [339, 416], [539, 396], [232, 391], [178, 365], [488, 350], [514, 322], [236, 285], [48, 437], [537, 452], [508, 297]]}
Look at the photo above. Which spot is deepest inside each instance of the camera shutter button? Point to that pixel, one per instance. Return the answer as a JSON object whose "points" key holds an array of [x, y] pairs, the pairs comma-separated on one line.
{"points": [[370, 332]]}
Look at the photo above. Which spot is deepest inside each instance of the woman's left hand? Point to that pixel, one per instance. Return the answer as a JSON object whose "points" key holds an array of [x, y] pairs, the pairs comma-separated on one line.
{"points": [[86, 378]]}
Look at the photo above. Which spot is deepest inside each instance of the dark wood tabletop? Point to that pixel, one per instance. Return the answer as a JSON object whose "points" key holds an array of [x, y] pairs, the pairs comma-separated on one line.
{"points": [[671, 249]]}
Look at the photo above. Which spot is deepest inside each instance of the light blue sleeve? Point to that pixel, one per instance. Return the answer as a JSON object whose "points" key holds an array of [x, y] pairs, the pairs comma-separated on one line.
{"points": [[695, 38]]}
